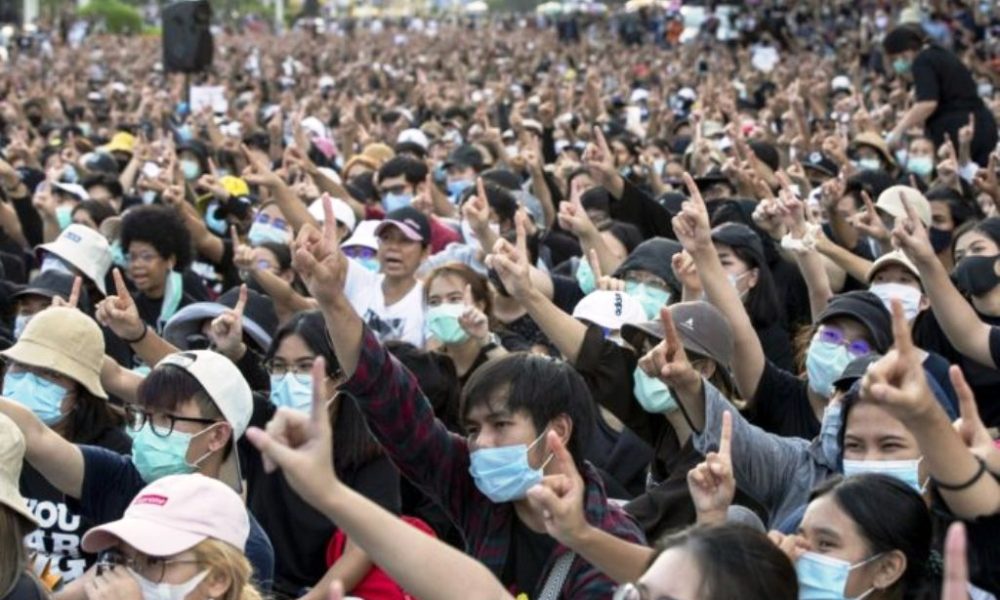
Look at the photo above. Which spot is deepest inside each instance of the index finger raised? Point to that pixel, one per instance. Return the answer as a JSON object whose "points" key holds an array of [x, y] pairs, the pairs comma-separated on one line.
{"points": [[725, 440], [241, 303], [121, 290]]}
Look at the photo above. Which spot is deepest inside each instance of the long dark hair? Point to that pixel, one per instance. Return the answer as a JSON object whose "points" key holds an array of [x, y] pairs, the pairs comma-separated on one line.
{"points": [[90, 418], [762, 299], [736, 563], [353, 444], [890, 516]]}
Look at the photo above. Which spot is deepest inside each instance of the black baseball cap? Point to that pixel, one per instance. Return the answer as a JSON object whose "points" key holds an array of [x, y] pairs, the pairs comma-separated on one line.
{"points": [[466, 155], [410, 221], [867, 309], [854, 371], [821, 164], [738, 235]]}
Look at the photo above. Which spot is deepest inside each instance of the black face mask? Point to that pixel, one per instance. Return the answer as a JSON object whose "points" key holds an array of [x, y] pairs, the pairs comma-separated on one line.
{"points": [[976, 275], [940, 239]]}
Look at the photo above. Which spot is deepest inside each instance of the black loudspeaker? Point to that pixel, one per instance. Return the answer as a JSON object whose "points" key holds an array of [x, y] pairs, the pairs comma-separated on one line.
{"points": [[187, 39]]}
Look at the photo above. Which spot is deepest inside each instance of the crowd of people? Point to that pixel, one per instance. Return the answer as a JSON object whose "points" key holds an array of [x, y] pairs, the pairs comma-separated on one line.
{"points": [[506, 309]]}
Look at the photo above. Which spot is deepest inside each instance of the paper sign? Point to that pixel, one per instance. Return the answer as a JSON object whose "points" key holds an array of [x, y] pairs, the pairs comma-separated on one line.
{"points": [[212, 96]]}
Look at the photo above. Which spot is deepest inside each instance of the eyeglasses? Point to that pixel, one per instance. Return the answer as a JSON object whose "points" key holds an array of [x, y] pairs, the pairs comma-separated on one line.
{"points": [[835, 337], [629, 592], [651, 281], [276, 222], [151, 567], [360, 252], [301, 370], [141, 257], [162, 424]]}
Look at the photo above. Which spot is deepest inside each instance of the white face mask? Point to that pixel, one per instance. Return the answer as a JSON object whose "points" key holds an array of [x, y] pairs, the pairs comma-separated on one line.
{"points": [[908, 295], [168, 591]]}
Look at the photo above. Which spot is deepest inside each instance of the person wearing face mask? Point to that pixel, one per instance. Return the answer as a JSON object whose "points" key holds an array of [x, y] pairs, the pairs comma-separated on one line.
{"points": [[39, 294], [462, 166], [362, 245], [403, 178], [269, 225], [949, 212], [867, 536], [481, 480], [54, 371], [648, 275], [458, 317], [919, 158], [185, 417], [944, 89], [960, 328], [183, 537], [297, 531], [869, 152], [192, 156]]}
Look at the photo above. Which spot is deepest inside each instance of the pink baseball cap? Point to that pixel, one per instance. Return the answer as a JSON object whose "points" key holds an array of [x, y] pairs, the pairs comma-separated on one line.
{"points": [[174, 514]]}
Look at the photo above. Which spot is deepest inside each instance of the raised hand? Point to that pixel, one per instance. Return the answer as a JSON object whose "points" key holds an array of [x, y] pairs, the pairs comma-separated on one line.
{"points": [[119, 313], [258, 171], [970, 426], [559, 497], [226, 330], [599, 160], [687, 273], [574, 218], [74, 295], [603, 282], [301, 445], [114, 583], [476, 209], [955, 585], [691, 225], [511, 260], [711, 482], [318, 260], [911, 236], [668, 361], [897, 381], [869, 222], [473, 321]]}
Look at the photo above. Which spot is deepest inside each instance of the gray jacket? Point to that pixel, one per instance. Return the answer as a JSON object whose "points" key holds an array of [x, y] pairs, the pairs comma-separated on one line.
{"points": [[778, 471]]}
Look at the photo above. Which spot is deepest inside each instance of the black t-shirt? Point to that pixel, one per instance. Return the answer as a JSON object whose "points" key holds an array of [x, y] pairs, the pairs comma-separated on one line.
{"points": [[149, 308], [781, 405], [941, 76], [777, 346], [526, 558], [61, 526], [300, 534], [984, 379]]}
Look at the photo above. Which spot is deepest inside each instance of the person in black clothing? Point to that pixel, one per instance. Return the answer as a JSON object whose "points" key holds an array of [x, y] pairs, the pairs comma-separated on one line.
{"points": [[299, 533], [946, 94], [54, 369]]}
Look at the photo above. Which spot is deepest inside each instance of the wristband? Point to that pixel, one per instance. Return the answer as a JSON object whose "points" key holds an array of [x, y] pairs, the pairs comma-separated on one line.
{"points": [[967, 484], [145, 330]]}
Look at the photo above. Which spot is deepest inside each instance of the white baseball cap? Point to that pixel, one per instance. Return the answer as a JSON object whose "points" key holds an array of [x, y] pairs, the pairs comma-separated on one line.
{"points": [[414, 136], [86, 250], [364, 235], [610, 310], [230, 392], [73, 189], [341, 212], [174, 514]]}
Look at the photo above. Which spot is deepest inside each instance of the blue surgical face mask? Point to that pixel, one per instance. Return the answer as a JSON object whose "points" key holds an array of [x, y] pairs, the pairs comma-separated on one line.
{"points": [[214, 224], [455, 188], [651, 299], [370, 264], [825, 578], [908, 295], [653, 395], [392, 201], [869, 164], [70, 174], [20, 322], [503, 474], [825, 362], [292, 391], [155, 457], [442, 323], [585, 277], [41, 396], [260, 233], [64, 215], [921, 166], [658, 165], [901, 66], [149, 197], [191, 169], [907, 471], [118, 255]]}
